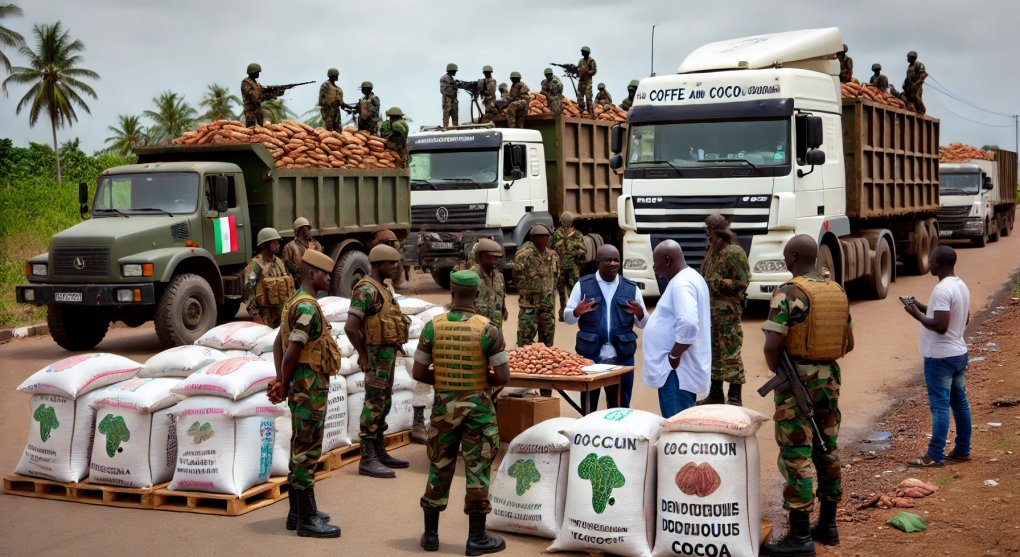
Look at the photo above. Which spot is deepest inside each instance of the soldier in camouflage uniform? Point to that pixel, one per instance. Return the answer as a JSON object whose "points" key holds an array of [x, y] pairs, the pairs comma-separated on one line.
{"points": [[552, 88], [488, 96], [518, 99], [368, 109], [535, 270], [846, 66], [377, 329], [306, 355], [879, 81], [268, 284], [631, 90], [295, 249], [603, 98], [491, 300], [913, 84], [252, 97], [798, 448], [395, 131], [727, 274], [569, 246], [461, 346], [586, 69], [448, 90], [331, 98]]}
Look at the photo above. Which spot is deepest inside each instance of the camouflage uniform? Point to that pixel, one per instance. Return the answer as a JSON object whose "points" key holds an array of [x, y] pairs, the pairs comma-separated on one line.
{"points": [[451, 108], [913, 87], [251, 95], [463, 422], [489, 99], [880, 82], [604, 98], [552, 88], [395, 133], [568, 244], [518, 97], [294, 251], [491, 298], [727, 274], [846, 69], [331, 98], [368, 113], [307, 390], [794, 435], [627, 103], [535, 276], [586, 69], [367, 301], [258, 269]]}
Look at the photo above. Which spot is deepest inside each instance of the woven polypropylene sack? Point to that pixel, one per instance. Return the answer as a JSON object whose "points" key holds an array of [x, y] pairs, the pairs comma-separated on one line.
{"points": [[77, 375]]}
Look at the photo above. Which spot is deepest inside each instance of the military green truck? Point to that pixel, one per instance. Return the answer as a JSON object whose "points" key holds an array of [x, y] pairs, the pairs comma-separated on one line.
{"points": [[169, 237]]}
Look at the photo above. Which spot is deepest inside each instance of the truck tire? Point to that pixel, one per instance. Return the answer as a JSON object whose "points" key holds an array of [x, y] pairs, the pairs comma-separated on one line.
{"points": [[227, 311], [993, 234], [982, 240], [877, 282], [922, 249], [1009, 220], [75, 328], [185, 311], [827, 264], [351, 267], [933, 235], [442, 277]]}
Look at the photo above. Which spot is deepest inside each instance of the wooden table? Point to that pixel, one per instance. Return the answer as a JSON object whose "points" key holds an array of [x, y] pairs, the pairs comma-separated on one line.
{"points": [[580, 383]]}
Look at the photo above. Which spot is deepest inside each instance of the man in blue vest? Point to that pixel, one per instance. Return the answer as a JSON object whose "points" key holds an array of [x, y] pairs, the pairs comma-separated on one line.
{"points": [[606, 307]]}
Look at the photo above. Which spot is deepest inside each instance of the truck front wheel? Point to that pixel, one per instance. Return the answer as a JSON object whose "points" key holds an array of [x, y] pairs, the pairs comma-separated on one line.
{"points": [[351, 267], [442, 277], [982, 240], [75, 328], [186, 310]]}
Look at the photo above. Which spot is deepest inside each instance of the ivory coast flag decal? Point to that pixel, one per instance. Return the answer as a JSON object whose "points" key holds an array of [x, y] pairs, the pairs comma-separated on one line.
{"points": [[224, 230]]}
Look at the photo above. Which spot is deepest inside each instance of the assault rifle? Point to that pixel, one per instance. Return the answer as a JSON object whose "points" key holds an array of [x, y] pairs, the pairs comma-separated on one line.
{"points": [[569, 70], [275, 91], [474, 88], [787, 378]]}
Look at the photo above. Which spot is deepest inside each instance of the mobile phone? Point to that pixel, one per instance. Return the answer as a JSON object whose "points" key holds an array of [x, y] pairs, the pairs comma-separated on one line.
{"points": [[907, 300]]}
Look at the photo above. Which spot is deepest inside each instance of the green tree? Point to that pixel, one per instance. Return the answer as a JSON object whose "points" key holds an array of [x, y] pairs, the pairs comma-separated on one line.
{"points": [[312, 117], [172, 116], [128, 134], [9, 37], [275, 111], [56, 81], [218, 103]]}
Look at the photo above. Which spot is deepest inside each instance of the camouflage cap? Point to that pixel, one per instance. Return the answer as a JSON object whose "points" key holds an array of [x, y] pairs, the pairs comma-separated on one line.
{"points": [[365, 84], [515, 74], [633, 84], [394, 111], [317, 259], [382, 252], [486, 245], [267, 235], [567, 218], [254, 68], [333, 72], [451, 67], [876, 67], [465, 278], [486, 69], [540, 230], [301, 221], [585, 49], [548, 71]]}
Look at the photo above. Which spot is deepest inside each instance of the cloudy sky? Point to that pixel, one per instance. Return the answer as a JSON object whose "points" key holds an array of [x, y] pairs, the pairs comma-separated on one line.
{"points": [[141, 48]]}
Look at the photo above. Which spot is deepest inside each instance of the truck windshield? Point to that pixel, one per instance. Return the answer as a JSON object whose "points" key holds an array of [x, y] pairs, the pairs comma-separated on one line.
{"points": [[151, 193], [761, 143], [959, 184], [454, 170]]}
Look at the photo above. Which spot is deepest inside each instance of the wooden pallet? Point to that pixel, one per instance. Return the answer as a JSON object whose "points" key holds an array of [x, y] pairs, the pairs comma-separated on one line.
{"points": [[220, 503], [342, 456], [81, 492]]}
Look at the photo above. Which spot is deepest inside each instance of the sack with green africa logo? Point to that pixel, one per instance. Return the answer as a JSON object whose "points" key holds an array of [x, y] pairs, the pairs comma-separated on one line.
{"points": [[908, 522]]}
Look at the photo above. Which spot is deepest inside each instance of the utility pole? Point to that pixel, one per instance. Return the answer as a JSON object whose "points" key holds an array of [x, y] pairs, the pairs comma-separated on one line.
{"points": [[651, 70]]}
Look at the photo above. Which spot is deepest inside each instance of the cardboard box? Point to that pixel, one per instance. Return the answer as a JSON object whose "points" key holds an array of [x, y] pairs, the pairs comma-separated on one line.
{"points": [[514, 414]]}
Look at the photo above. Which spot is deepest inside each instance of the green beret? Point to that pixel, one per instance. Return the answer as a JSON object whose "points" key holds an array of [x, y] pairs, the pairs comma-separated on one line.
{"points": [[465, 278]]}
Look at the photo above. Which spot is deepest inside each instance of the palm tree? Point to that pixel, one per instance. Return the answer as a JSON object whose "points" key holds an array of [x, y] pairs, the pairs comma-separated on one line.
{"points": [[129, 135], [172, 116], [9, 37], [312, 117], [56, 85], [218, 103], [275, 111]]}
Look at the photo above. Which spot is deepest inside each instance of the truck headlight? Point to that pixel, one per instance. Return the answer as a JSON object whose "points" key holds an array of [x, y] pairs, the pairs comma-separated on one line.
{"points": [[136, 269], [39, 269], [635, 264], [770, 266], [124, 295], [29, 295]]}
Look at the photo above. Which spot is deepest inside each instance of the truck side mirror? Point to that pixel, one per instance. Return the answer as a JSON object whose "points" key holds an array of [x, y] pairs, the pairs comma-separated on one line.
{"points": [[220, 193], [516, 174], [616, 140], [988, 183], [616, 161], [814, 157], [814, 131], [83, 198]]}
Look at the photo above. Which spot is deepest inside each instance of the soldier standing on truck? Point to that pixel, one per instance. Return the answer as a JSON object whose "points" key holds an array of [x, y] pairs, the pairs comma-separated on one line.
{"points": [[517, 98], [568, 244], [586, 69], [846, 66], [306, 356], [331, 98], [448, 89], [394, 130], [377, 329], [268, 284], [913, 84], [552, 88], [879, 81], [603, 97], [253, 96], [489, 95], [368, 109], [295, 249], [535, 270], [631, 91]]}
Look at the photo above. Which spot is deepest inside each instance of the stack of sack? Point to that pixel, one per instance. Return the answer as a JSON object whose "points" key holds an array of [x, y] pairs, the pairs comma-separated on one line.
{"points": [[241, 338]]}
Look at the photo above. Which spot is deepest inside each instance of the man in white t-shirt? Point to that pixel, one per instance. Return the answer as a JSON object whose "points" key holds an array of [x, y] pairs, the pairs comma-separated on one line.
{"points": [[677, 342], [943, 322]]}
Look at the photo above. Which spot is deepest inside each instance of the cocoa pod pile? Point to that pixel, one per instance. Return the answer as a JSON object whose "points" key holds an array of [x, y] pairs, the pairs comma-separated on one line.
{"points": [[539, 359], [539, 106], [857, 90], [958, 152], [298, 145], [698, 479]]}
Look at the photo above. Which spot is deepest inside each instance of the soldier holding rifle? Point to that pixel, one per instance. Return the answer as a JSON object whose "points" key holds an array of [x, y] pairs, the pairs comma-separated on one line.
{"points": [[253, 95]]}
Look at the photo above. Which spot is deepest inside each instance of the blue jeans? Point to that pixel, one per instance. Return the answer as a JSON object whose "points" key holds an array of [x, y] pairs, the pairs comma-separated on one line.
{"points": [[946, 391], [673, 399]]}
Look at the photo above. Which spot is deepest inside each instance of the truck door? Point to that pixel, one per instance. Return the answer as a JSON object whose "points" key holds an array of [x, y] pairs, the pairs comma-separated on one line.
{"points": [[225, 234], [515, 195]]}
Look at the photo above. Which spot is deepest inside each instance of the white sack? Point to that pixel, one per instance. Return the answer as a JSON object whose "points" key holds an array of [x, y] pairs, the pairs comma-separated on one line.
{"points": [[356, 383], [355, 404], [402, 380], [283, 432], [239, 335], [180, 361], [410, 347], [415, 328], [401, 414], [264, 344], [334, 429], [140, 394], [717, 418], [346, 348], [335, 308], [133, 448], [77, 375], [59, 437], [431, 313], [233, 378], [349, 366], [413, 306]]}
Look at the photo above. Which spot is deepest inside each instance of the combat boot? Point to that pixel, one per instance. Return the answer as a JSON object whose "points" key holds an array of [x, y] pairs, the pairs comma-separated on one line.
{"points": [[385, 458], [825, 531], [797, 542], [292, 515], [430, 539], [479, 542], [370, 465], [715, 395], [309, 524], [419, 433], [733, 395]]}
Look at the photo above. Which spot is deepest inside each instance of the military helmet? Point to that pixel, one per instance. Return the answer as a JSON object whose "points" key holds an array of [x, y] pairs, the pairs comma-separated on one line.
{"points": [[333, 72], [486, 69], [515, 74], [912, 54], [567, 218], [876, 67], [382, 252], [366, 84], [548, 71], [503, 86], [633, 84], [586, 50], [254, 68], [301, 221], [451, 67], [267, 235], [394, 111], [602, 86]]}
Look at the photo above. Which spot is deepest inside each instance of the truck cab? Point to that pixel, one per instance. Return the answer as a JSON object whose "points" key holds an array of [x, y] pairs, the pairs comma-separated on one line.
{"points": [[966, 210]]}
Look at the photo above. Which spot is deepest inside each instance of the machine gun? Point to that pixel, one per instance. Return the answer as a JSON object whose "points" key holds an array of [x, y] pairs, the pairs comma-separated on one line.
{"points": [[275, 91], [570, 71], [474, 88], [787, 378]]}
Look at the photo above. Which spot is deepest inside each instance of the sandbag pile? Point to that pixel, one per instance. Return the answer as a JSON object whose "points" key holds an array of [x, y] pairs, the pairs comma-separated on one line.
{"points": [[298, 145], [858, 90], [958, 152]]}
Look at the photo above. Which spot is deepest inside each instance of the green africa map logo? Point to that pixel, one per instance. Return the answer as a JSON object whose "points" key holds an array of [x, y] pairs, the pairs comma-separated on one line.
{"points": [[604, 477], [116, 432], [526, 474], [200, 432], [47, 418]]}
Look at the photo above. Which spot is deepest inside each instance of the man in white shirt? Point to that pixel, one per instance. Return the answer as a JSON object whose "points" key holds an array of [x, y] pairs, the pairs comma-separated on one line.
{"points": [[943, 322], [606, 307], [677, 342]]}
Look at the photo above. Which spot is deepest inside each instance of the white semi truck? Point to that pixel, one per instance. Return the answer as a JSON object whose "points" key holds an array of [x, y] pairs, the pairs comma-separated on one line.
{"points": [[978, 198]]}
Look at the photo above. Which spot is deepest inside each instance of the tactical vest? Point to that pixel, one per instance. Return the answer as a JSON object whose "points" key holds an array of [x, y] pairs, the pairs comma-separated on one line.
{"points": [[321, 354], [823, 335], [592, 335], [389, 326], [332, 96], [273, 291], [457, 354]]}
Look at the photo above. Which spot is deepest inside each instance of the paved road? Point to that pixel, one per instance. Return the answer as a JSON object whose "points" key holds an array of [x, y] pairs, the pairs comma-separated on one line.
{"points": [[382, 517]]}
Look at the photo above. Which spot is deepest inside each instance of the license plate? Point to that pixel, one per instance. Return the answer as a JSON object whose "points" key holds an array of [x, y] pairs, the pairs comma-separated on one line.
{"points": [[441, 245], [767, 288], [945, 233], [68, 296]]}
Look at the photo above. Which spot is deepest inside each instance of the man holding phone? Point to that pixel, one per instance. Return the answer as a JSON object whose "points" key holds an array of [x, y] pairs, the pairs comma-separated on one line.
{"points": [[606, 307]]}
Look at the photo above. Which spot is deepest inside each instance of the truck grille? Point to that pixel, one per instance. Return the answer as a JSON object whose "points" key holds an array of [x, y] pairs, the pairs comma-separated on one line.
{"points": [[84, 261], [180, 231], [952, 218], [448, 217]]}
